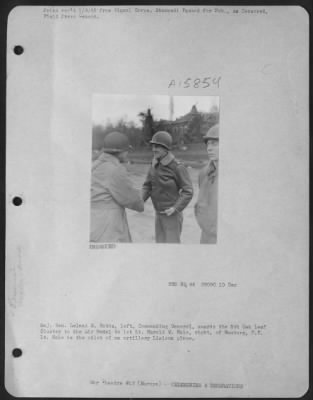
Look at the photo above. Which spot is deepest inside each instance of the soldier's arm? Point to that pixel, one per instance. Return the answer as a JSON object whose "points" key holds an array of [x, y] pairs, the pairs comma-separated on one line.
{"points": [[185, 186], [147, 187], [123, 191]]}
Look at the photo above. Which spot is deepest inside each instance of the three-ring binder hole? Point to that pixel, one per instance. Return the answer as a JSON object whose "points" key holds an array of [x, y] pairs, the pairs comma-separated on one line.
{"points": [[17, 352], [17, 201], [18, 50]]}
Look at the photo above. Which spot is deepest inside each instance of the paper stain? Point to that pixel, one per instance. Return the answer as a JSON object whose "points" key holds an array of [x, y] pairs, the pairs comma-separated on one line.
{"points": [[15, 282]]}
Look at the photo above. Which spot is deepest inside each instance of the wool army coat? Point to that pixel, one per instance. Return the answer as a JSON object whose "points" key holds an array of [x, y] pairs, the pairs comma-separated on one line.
{"points": [[111, 192], [206, 205]]}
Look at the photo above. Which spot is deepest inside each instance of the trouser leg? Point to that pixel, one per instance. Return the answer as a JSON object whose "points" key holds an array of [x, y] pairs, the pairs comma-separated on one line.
{"points": [[159, 232], [172, 227]]}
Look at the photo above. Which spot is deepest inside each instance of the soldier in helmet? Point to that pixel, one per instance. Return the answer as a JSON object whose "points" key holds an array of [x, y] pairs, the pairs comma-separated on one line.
{"points": [[111, 192], [170, 188], [206, 205]]}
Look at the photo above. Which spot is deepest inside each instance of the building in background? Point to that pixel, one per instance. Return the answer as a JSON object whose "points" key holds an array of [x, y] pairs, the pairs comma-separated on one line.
{"points": [[191, 127], [186, 129]]}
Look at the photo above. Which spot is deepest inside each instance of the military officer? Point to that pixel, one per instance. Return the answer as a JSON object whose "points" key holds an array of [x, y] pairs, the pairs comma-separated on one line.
{"points": [[170, 188], [111, 192], [206, 205]]}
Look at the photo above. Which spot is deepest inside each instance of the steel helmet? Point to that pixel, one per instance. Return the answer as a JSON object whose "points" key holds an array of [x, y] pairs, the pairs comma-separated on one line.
{"points": [[162, 138], [213, 133], [115, 142]]}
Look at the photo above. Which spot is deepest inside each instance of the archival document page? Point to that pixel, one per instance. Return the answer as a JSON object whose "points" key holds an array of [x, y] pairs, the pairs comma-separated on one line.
{"points": [[177, 268]]}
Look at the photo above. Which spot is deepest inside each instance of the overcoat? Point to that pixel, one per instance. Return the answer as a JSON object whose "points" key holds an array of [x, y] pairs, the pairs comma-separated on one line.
{"points": [[206, 205], [111, 192]]}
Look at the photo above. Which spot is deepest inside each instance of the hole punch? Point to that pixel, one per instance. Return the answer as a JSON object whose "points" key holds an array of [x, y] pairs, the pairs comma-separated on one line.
{"points": [[18, 50], [17, 353], [17, 201]]}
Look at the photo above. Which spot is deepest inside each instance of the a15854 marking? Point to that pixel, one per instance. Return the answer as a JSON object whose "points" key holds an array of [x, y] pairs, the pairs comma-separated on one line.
{"points": [[196, 83]]}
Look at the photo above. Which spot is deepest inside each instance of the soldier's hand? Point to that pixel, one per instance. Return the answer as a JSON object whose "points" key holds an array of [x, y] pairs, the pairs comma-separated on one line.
{"points": [[169, 211]]}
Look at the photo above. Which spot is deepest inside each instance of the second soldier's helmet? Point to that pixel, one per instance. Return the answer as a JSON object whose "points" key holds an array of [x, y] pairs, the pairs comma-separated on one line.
{"points": [[116, 142], [162, 138], [213, 133]]}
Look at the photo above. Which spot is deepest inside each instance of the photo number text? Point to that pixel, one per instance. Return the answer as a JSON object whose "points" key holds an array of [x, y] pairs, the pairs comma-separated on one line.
{"points": [[196, 83]]}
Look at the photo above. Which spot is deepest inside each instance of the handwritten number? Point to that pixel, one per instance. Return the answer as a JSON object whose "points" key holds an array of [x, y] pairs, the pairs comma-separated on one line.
{"points": [[197, 82], [216, 81], [206, 82], [186, 83]]}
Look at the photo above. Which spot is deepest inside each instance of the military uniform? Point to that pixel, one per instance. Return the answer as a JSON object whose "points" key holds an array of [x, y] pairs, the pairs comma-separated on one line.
{"points": [[206, 206], [111, 192], [169, 185]]}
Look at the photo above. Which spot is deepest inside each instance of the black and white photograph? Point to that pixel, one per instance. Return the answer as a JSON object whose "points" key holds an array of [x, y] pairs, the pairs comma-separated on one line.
{"points": [[154, 169], [157, 201]]}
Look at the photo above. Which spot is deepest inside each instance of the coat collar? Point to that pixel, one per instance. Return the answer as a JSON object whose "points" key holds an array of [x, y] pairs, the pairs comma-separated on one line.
{"points": [[212, 170], [164, 161], [108, 157], [213, 164]]}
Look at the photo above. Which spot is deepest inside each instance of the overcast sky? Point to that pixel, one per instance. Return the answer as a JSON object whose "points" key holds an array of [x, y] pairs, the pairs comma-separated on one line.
{"points": [[114, 107]]}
